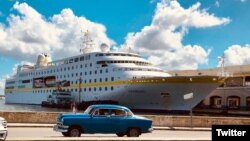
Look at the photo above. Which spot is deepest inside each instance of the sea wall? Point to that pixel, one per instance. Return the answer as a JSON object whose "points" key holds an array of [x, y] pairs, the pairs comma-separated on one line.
{"points": [[158, 120]]}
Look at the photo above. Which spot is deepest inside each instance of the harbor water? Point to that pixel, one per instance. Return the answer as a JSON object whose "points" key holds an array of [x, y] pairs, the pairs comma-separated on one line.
{"points": [[27, 108]]}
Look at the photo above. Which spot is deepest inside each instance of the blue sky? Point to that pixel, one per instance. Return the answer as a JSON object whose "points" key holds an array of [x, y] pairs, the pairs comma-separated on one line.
{"points": [[184, 34]]}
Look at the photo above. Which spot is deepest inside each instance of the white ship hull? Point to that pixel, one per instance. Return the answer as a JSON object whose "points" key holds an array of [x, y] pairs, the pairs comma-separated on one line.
{"points": [[155, 93]]}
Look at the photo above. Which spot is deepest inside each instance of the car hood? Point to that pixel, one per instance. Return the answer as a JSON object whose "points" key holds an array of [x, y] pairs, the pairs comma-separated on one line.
{"points": [[72, 115]]}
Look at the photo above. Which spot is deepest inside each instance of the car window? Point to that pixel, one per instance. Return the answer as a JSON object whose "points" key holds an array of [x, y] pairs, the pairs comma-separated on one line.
{"points": [[101, 112], [118, 112]]}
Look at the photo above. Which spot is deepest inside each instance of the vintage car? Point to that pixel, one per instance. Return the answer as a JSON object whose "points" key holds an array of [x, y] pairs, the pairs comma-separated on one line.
{"points": [[3, 129], [103, 118]]}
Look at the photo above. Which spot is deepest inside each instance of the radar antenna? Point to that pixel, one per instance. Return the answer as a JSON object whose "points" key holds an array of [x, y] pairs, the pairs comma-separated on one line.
{"points": [[127, 47], [87, 44]]}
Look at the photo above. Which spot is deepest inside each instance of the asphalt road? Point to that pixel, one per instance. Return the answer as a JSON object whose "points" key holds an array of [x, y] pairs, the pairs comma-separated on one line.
{"points": [[48, 134]]}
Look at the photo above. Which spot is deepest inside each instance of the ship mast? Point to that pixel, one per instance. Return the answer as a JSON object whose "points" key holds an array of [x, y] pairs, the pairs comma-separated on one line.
{"points": [[87, 44]]}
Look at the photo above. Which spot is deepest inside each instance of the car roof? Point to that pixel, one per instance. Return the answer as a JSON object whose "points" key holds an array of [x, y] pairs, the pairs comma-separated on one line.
{"points": [[109, 106]]}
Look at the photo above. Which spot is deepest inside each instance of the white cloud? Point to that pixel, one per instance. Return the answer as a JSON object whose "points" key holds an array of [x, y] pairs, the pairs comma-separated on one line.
{"points": [[237, 55], [171, 15], [29, 33], [2, 82], [243, 1], [162, 39]]}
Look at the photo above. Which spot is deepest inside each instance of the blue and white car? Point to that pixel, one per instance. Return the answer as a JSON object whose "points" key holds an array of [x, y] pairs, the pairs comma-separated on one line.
{"points": [[103, 118], [3, 129]]}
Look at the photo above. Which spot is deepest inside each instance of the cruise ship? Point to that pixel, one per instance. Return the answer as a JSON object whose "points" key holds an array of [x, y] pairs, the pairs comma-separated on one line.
{"points": [[124, 77]]}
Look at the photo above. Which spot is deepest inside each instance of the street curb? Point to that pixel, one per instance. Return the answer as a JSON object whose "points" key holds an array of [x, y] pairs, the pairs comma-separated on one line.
{"points": [[102, 139], [183, 128], [28, 125]]}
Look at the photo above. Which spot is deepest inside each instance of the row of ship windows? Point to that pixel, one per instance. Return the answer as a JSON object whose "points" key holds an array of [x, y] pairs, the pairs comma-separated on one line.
{"points": [[81, 66], [72, 82], [116, 54], [77, 59], [71, 60], [95, 72], [10, 82], [141, 63], [91, 72], [94, 80], [11, 87], [77, 89], [58, 70], [136, 69], [81, 74], [64, 76], [82, 58]]}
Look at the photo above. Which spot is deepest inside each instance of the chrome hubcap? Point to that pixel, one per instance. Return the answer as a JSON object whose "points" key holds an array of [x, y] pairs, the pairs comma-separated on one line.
{"points": [[74, 133], [133, 132]]}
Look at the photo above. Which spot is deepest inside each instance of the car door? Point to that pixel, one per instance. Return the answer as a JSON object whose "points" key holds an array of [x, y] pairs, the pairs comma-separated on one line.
{"points": [[118, 121], [100, 122]]}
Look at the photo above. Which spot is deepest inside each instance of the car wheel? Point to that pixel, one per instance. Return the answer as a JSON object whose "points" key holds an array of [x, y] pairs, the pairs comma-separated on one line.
{"points": [[120, 134], [74, 131], [133, 132], [65, 134]]}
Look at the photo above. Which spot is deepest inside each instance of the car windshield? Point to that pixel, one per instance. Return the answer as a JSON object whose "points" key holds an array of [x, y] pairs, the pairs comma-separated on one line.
{"points": [[129, 113], [89, 110]]}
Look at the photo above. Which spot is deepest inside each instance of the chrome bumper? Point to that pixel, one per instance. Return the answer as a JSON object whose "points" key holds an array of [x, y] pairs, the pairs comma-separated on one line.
{"points": [[59, 129], [150, 130], [3, 134]]}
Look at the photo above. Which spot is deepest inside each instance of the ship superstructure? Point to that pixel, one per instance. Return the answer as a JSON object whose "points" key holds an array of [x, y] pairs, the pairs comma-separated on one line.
{"points": [[127, 78]]}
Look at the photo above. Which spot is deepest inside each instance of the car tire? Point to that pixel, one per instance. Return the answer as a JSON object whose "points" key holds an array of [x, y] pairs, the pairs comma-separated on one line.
{"points": [[65, 134], [120, 134], [74, 131], [133, 132]]}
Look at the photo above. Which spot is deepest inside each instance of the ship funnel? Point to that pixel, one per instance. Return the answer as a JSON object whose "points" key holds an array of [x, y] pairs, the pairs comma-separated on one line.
{"points": [[104, 47], [40, 59], [43, 60]]}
